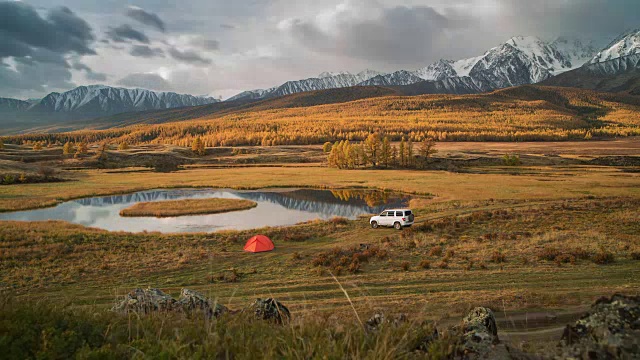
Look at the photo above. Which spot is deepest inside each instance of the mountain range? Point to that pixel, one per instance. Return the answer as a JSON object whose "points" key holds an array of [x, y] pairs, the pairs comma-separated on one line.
{"points": [[518, 61]]}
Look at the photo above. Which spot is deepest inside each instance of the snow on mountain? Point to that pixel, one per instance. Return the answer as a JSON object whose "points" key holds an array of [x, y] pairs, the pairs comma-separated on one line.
{"points": [[104, 100], [401, 77], [437, 71], [324, 81], [13, 105], [626, 44]]}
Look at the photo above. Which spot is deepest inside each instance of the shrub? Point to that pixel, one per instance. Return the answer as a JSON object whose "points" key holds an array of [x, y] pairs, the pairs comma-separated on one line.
{"points": [[468, 266], [405, 266], [603, 257], [435, 251], [635, 255], [443, 265], [354, 267], [425, 264], [450, 253], [498, 257], [8, 179], [483, 266]]}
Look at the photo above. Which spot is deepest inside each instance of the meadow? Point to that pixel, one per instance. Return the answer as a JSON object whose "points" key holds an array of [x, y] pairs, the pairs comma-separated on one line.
{"points": [[547, 236]]}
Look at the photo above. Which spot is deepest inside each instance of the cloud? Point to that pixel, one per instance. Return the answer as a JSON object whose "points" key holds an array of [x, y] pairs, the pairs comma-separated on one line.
{"points": [[125, 33], [34, 48], [146, 81], [204, 43], [188, 56], [21, 27], [89, 73], [397, 35], [227, 26], [145, 51], [144, 17]]}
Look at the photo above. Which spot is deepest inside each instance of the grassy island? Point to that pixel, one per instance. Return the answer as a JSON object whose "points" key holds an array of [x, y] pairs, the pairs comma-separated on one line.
{"points": [[187, 207]]}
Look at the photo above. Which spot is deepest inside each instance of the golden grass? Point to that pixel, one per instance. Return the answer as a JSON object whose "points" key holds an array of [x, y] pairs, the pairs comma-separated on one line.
{"points": [[540, 183], [187, 207]]}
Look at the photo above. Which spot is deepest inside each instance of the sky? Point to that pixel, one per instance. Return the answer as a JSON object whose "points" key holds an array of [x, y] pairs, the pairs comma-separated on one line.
{"points": [[222, 47]]}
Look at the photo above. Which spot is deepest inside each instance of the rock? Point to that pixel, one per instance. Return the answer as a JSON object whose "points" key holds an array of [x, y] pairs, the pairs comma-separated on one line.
{"points": [[479, 332], [145, 301], [271, 309], [611, 329], [378, 319], [191, 300]]}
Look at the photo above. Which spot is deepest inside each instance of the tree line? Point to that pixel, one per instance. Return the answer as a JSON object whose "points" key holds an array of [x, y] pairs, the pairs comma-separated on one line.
{"points": [[377, 151]]}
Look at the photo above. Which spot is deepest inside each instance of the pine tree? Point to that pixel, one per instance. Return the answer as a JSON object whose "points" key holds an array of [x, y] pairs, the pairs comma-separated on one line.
{"points": [[410, 153], [427, 148], [385, 152], [82, 148], [372, 147], [403, 153], [326, 148], [68, 148], [394, 155], [197, 146]]}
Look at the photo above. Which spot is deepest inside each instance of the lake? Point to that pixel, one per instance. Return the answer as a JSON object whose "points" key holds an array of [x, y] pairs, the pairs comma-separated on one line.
{"points": [[276, 207]]}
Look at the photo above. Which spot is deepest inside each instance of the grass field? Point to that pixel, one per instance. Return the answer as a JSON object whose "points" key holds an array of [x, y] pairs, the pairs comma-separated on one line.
{"points": [[521, 240]]}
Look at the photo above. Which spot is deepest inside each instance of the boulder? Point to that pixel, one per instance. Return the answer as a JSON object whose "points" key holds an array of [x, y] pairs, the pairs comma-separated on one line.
{"points": [[379, 318], [611, 329], [145, 301], [479, 332], [270, 309], [191, 300]]}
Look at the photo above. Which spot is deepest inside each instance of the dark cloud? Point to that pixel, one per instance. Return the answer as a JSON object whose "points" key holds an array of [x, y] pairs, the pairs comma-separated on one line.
{"points": [[145, 17], [39, 47], [89, 73], [146, 81], [188, 56], [206, 44], [399, 36], [145, 51], [21, 27], [125, 33]]}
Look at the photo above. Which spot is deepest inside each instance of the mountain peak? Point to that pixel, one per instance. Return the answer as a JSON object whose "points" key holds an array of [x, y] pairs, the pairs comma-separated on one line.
{"points": [[328, 74], [624, 45]]}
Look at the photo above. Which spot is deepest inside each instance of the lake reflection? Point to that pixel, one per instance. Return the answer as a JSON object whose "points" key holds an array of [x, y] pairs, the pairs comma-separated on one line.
{"points": [[275, 208]]}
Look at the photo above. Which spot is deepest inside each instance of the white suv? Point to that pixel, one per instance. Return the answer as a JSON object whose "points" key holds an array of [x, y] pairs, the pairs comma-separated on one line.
{"points": [[398, 218]]}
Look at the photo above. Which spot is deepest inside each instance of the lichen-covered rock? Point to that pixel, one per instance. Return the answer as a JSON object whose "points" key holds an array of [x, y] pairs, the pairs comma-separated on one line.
{"points": [[479, 332], [191, 300], [145, 301], [379, 318], [270, 309], [611, 329]]}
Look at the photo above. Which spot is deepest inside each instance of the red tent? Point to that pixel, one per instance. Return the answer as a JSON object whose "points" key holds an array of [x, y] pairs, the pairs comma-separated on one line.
{"points": [[258, 243]]}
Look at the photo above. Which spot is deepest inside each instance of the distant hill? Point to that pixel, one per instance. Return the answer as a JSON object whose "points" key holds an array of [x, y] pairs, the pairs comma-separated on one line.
{"points": [[88, 102], [525, 113], [618, 75], [218, 109]]}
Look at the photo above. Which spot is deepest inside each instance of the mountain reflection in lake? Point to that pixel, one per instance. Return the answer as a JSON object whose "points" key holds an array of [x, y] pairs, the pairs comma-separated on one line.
{"points": [[275, 208]]}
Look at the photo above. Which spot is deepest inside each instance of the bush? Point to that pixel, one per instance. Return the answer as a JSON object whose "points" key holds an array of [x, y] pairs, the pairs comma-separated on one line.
{"points": [[603, 257], [425, 264], [443, 265], [405, 266], [498, 257], [435, 251], [635, 255]]}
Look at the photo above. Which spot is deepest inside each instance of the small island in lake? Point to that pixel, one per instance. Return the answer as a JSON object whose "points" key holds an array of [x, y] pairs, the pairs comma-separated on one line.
{"points": [[187, 207]]}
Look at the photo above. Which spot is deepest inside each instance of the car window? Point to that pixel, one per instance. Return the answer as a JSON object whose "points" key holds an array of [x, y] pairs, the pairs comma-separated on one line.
{"points": [[384, 213], [398, 213], [390, 213], [407, 213]]}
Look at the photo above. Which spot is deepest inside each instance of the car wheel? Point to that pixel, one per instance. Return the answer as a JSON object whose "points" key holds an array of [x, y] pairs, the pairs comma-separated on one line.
{"points": [[397, 226], [374, 224]]}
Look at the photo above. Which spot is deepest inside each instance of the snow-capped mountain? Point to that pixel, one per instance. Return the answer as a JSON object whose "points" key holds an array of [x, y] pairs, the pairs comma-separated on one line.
{"points": [[401, 77], [519, 61], [13, 105], [324, 81], [105, 100], [625, 44]]}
